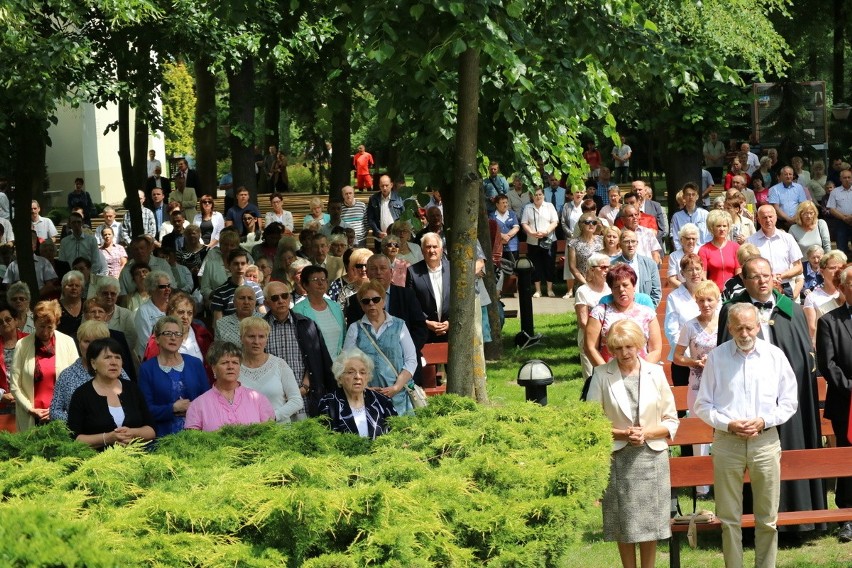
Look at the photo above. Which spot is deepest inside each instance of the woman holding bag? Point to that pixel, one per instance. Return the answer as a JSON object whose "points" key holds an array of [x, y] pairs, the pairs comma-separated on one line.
{"points": [[386, 340], [539, 222]]}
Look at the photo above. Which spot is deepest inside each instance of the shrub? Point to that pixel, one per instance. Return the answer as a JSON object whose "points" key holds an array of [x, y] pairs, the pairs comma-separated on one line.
{"points": [[458, 485]]}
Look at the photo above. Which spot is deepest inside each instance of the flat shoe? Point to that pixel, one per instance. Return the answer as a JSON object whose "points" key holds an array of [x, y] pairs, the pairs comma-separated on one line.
{"points": [[537, 295]]}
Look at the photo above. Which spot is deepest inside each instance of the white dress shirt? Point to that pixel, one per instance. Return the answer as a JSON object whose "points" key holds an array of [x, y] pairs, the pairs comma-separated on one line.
{"points": [[437, 278], [743, 386], [781, 250]]}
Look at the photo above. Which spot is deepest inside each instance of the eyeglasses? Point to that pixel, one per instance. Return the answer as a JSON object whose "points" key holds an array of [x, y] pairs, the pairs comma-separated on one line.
{"points": [[371, 300], [108, 293], [758, 277], [602, 266], [163, 286], [361, 266], [392, 245], [282, 296], [171, 334], [318, 279], [630, 242], [589, 222]]}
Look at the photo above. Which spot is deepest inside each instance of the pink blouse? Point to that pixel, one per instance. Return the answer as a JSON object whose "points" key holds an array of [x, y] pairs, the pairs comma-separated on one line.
{"points": [[210, 411]]}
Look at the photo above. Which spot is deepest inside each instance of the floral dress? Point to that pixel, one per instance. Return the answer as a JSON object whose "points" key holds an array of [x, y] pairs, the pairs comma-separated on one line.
{"points": [[699, 341]]}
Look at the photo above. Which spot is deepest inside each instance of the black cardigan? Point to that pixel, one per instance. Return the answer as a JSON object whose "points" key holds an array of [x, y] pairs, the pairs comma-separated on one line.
{"points": [[88, 412]]}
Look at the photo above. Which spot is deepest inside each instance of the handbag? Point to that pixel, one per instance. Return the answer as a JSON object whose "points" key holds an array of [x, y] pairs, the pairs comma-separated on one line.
{"points": [[416, 394], [547, 241]]}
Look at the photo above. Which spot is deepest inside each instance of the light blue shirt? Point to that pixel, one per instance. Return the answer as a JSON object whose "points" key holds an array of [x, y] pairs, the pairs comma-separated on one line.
{"points": [[698, 218], [787, 197]]}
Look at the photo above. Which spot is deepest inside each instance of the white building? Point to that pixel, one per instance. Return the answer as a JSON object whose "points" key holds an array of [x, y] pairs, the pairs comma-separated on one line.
{"points": [[79, 148]]}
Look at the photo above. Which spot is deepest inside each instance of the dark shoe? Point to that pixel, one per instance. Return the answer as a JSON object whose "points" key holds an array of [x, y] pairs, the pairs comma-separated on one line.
{"points": [[845, 533]]}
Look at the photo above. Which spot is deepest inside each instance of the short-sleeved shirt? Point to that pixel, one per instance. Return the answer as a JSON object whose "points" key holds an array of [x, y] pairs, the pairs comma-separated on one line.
{"points": [[787, 198], [841, 199], [698, 342], [44, 228], [607, 315], [222, 298], [721, 263], [781, 249], [355, 216], [235, 215]]}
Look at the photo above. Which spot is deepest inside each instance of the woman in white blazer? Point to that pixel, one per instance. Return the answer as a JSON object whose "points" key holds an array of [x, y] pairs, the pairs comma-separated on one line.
{"points": [[39, 359], [637, 400]]}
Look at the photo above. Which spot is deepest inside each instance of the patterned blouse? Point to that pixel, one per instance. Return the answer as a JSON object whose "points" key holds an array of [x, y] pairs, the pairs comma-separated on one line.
{"points": [[583, 250], [608, 315]]}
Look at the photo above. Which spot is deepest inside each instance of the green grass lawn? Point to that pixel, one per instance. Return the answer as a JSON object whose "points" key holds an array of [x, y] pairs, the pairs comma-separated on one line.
{"points": [[558, 349]]}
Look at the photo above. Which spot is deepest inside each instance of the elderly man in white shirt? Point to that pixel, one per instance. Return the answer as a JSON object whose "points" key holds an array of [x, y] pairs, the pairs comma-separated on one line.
{"points": [[44, 227], [778, 247], [747, 389], [78, 245]]}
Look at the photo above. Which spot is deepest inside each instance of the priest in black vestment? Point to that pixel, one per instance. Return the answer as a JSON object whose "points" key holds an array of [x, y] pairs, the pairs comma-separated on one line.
{"points": [[787, 328]]}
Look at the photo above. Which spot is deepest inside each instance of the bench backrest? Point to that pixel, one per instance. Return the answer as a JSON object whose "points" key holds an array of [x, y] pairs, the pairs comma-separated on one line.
{"points": [[819, 463]]}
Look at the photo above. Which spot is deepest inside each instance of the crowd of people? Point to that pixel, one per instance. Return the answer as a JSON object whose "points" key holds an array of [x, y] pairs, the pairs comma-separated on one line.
{"points": [[207, 319], [754, 292]]}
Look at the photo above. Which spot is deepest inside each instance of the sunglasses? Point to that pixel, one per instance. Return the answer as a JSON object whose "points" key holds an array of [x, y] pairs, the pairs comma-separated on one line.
{"points": [[164, 286], [372, 300], [361, 266], [392, 245], [589, 222], [207, 203], [281, 296]]}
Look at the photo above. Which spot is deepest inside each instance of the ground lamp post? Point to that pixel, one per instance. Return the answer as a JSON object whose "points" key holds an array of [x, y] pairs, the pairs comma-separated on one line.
{"points": [[527, 336], [535, 376]]}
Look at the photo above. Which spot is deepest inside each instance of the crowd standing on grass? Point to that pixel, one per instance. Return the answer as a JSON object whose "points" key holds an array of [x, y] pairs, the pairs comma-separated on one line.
{"points": [[236, 316]]}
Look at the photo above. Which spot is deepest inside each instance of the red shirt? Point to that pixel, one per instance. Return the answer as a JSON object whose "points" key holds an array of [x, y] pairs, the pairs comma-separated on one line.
{"points": [[362, 162], [720, 263]]}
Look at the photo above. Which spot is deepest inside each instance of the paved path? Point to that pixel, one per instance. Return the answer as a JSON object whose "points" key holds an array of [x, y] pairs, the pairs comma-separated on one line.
{"points": [[543, 305]]}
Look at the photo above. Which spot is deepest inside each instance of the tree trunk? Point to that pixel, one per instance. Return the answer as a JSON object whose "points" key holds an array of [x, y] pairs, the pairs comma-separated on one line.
{"points": [[241, 94], [839, 52], [341, 136], [205, 128], [130, 185], [681, 166], [271, 118], [466, 367], [140, 152], [30, 139]]}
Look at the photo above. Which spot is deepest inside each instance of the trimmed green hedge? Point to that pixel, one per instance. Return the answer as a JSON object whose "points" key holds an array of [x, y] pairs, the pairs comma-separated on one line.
{"points": [[459, 485]]}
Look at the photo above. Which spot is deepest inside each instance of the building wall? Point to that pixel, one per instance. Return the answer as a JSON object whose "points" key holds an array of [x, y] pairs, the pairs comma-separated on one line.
{"points": [[81, 149]]}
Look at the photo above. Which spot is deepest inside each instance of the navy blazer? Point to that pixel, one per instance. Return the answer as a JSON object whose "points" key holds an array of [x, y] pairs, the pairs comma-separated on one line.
{"points": [[374, 210], [335, 406], [419, 281], [648, 279]]}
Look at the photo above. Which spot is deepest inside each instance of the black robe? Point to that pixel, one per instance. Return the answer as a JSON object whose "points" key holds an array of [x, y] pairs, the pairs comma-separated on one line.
{"points": [[789, 330]]}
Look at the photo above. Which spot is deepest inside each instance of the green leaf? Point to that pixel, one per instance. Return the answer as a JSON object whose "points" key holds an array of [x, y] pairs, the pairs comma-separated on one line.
{"points": [[416, 11]]}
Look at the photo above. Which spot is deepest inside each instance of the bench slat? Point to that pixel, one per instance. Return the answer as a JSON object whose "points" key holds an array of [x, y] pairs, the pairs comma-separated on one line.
{"points": [[692, 430], [786, 518], [819, 463]]}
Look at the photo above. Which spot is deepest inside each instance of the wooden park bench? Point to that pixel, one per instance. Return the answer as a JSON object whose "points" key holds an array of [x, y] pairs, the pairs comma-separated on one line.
{"points": [[796, 465]]}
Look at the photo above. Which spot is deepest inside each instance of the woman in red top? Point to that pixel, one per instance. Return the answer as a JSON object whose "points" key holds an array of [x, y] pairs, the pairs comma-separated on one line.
{"points": [[39, 358], [720, 254]]}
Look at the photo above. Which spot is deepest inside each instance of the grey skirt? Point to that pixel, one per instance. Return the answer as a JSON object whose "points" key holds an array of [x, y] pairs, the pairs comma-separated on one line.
{"points": [[637, 501]]}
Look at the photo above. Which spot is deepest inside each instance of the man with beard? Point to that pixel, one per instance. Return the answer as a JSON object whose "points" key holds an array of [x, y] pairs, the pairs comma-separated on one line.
{"points": [[783, 324], [747, 392]]}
